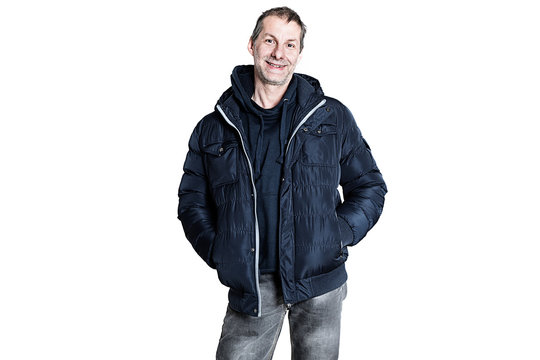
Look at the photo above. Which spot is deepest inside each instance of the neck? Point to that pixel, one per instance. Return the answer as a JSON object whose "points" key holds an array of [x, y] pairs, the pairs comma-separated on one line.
{"points": [[267, 96]]}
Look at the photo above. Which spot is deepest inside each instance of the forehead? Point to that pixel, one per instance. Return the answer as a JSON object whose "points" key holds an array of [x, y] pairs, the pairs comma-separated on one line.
{"points": [[280, 28]]}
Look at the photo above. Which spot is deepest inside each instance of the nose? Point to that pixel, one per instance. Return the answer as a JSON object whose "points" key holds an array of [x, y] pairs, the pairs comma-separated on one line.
{"points": [[278, 52]]}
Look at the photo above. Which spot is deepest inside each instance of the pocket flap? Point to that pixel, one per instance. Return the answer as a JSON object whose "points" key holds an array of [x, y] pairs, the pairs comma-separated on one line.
{"points": [[219, 148], [324, 129]]}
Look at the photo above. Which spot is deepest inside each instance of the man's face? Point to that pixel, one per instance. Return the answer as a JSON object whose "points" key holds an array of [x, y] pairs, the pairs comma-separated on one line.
{"points": [[276, 51]]}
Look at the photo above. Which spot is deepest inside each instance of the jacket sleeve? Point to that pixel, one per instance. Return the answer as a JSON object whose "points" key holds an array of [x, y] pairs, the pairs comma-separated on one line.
{"points": [[195, 209], [362, 183]]}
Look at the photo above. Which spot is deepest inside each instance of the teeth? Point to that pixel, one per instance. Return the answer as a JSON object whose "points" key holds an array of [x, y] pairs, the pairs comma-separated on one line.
{"points": [[278, 66]]}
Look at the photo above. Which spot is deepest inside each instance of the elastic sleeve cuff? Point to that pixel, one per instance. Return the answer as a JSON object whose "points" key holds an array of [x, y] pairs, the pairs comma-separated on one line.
{"points": [[346, 232]]}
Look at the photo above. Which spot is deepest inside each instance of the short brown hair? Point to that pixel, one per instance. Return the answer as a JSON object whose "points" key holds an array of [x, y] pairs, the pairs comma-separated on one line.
{"points": [[284, 13]]}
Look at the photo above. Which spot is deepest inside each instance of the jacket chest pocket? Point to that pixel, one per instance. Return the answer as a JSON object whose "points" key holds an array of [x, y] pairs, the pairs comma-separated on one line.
{"points": [[320, 146], [221, 162]]}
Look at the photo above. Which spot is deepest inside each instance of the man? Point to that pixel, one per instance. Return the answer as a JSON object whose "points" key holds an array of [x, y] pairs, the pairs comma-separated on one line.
{"points": [[259, 198]]}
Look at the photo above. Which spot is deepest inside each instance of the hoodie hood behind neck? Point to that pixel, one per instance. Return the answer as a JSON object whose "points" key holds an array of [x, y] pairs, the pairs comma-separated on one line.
{"points": [[242, 80]]}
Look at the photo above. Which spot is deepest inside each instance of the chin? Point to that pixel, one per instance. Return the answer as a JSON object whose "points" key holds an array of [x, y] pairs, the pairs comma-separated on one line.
{"points": [[276, 82], [273, 80]]}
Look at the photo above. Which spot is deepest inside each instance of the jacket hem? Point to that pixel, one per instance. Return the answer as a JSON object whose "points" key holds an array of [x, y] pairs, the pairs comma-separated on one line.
{"points": [[320, 284], [308, 288]]}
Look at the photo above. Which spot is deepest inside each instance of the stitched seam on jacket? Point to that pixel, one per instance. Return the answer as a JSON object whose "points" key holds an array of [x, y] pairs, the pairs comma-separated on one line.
{"points": [[236, 231], [314, 214], [232, 201], [314, 185]]}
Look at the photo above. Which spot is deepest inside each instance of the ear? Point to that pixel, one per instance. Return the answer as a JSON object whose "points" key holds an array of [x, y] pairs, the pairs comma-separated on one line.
{"points": [[250, 46]]}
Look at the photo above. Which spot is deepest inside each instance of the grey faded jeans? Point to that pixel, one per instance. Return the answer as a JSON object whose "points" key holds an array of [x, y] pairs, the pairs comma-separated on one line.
{"points": [[314, 326]]}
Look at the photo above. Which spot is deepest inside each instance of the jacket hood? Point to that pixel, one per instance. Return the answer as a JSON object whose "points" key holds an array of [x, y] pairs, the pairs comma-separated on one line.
{"points": [[243, 87]]}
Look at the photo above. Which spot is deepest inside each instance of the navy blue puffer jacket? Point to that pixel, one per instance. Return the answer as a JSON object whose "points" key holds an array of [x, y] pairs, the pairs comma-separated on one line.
{"points": [[218, 198]]}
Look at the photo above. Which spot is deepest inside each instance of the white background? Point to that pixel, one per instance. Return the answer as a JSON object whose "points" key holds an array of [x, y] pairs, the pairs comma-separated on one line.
{"points": [[98, 99]]}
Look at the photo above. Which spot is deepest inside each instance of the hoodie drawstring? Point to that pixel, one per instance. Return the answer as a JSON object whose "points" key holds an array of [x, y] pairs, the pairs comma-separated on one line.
{"points": [[258, 149], [283, 132]]}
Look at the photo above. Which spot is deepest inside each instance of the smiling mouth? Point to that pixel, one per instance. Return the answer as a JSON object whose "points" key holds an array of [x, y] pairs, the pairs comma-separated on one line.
{"points": [[277, 66]]}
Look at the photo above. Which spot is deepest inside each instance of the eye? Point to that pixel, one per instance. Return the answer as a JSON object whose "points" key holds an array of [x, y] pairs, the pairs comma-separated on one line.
{"points": [[291, 46], [269, 41]]}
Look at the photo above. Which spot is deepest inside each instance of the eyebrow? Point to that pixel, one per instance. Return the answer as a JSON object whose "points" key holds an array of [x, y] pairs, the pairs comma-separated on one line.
{"points": [[268, 34]]}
